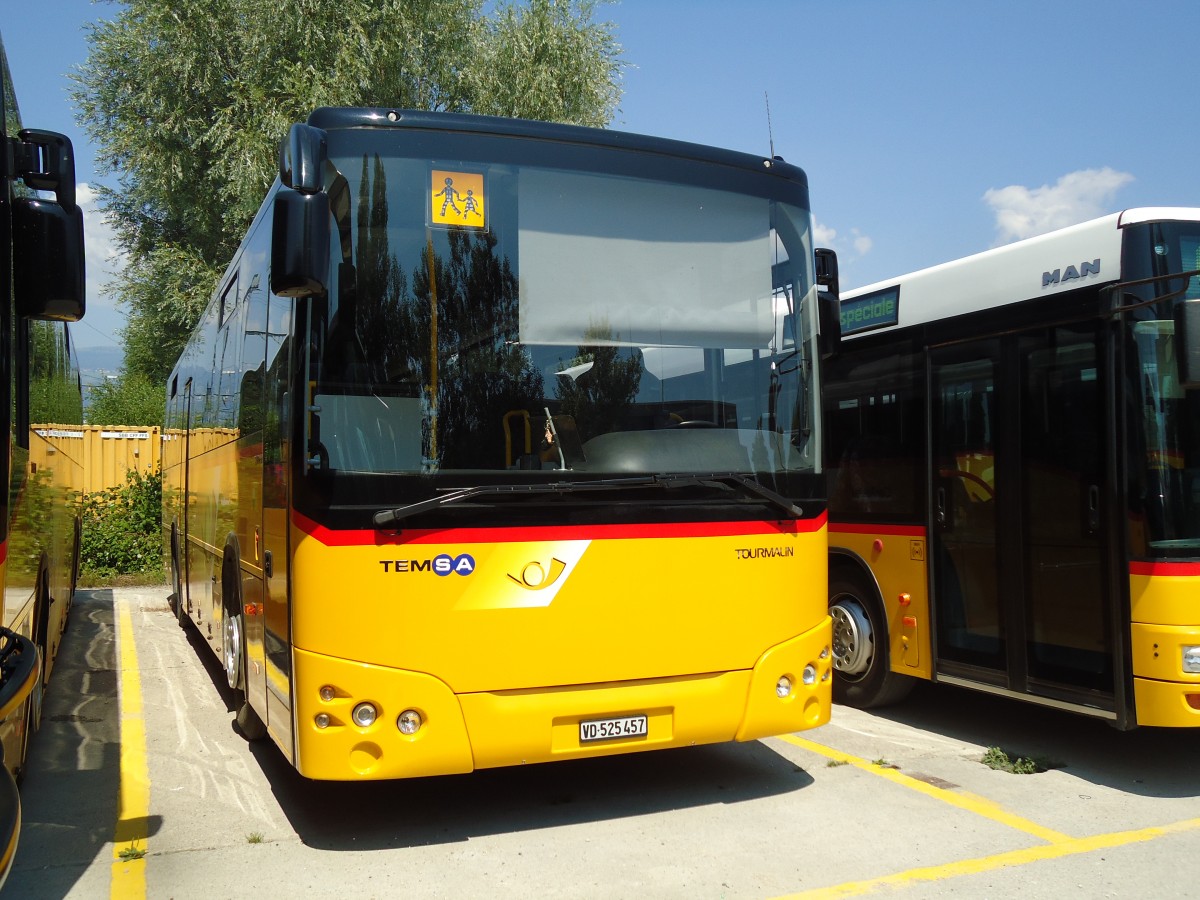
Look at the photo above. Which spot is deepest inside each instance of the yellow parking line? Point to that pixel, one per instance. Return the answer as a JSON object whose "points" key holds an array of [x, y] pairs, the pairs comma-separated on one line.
{"points": [[128, 880], [971, 803], [1069, 847]]}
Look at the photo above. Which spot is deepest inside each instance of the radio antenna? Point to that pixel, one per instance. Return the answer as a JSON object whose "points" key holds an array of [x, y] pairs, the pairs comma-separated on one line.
{"points": [[770, 133]]}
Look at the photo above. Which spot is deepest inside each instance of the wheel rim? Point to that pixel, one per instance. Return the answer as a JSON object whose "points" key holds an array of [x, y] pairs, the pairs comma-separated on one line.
{"points": [[233, 648], [853, 642]]}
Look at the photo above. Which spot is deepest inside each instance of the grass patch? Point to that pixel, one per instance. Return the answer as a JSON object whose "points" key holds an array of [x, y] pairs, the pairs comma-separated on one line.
{"points": [[133, 851], [254, 837], [89, 580], [834, 763], [1003, 761]]}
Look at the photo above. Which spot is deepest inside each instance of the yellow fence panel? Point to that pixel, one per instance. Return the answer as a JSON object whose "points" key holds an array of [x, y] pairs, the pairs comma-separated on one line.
{"points": [[106, 452]]}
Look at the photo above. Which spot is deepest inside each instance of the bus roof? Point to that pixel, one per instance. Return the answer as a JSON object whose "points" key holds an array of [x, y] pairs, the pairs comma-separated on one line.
{"points": [[1085, 254], [329, 118]]}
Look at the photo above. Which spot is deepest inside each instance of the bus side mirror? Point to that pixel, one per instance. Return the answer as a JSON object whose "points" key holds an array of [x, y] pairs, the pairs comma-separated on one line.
{"points": [[829, 314], [299, 244], [300, 228], [48, 267], [1187, 343], [45, 160], [302, 157], [827, 271]]}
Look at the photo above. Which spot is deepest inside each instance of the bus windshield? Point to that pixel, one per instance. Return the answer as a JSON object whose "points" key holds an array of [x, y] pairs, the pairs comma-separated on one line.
{"points": [[1170, 415], [539, 311]]}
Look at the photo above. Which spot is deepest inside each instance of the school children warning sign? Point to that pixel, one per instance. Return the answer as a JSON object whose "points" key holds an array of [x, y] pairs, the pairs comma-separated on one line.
{"points": [[456, 198]]}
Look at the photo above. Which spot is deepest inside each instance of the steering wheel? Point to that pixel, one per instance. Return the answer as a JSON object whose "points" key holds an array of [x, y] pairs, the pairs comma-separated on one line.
{"points": [[971, 477]]}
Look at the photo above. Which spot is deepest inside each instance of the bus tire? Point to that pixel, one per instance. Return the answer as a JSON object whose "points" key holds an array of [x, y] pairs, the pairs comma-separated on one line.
{"points": [[248, 722], [76, 562], [233, 649], [33, 704], [862, 671], [181, 615]]}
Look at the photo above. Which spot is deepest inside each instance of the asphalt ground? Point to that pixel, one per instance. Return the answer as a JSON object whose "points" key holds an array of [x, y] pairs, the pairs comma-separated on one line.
{"points": [[139, 786]]}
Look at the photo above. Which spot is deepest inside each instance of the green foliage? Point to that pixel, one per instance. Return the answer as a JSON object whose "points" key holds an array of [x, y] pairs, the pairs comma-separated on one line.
{"points": [[188, 100], [132, 399], [995, 758], [53, 380], [132, 852], [122, 528], [39, 518]]}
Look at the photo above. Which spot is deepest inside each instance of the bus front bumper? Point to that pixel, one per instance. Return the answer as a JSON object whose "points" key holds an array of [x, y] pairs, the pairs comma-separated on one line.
{"points": [[459, 733], [1165, 694]]}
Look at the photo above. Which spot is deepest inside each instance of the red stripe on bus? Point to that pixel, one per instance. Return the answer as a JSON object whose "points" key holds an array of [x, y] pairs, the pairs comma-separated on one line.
{"points": [[1164, 568], [856, 528], [358, 537]]}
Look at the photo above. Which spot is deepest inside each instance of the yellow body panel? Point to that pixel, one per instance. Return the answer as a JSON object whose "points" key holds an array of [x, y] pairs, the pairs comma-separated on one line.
{"points": [[1164, 599], [616, 610], [1163, 608], [1165, 704], [898, 563]]}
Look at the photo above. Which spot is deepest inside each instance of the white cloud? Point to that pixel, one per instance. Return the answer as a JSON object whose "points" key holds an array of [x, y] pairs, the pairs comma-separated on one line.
{"points": [[856, 246], [1023, 212], [103, 261]]}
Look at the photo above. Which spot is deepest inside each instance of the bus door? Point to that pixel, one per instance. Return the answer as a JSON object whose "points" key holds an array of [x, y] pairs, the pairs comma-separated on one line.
{"points": [[276, 546], [1023, 599]]}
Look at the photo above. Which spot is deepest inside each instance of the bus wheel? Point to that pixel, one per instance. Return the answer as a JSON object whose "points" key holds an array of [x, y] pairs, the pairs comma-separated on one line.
{"points": [[233, 656], [248, 722], [177, 581], [862, 674], [231, 648]]}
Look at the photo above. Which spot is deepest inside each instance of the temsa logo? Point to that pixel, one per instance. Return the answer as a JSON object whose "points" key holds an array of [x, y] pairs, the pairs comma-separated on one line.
{"points": [[443, 564]]}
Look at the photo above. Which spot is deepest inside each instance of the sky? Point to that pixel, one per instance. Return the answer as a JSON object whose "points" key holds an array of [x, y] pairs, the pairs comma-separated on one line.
{"points": [[929, 129]]}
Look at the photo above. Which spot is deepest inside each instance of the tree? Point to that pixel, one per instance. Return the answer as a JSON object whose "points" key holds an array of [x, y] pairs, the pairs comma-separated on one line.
{"points": [[131, 399], [188, 100]]}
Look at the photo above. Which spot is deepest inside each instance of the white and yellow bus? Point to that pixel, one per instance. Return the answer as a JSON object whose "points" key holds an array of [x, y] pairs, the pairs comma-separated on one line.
{"points": [[1014, 446], [499, 443]]}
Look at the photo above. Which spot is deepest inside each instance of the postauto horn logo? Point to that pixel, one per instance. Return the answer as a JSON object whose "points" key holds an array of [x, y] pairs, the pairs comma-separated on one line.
{"points": [[534, 576]]}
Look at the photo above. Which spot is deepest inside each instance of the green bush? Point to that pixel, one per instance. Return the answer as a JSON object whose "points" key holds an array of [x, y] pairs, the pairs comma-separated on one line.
{"points": [[122, 528]]}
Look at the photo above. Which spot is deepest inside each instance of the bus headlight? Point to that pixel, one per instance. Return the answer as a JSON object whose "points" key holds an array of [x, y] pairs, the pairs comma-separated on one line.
{"points": [[364, 715], [810, 674], [322, 720], [409, 722], [1191, 658], [783, 687], [327, 693]]}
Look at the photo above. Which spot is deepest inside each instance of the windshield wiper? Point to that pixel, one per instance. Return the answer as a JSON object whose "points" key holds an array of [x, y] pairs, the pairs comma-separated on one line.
{"points": [[387, 517], [750, 486]]}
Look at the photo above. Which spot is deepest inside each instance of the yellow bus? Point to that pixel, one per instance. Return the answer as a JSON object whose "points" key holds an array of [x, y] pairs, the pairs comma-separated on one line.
{"points": [[1014, 446], [41, 273], [499, 443]]}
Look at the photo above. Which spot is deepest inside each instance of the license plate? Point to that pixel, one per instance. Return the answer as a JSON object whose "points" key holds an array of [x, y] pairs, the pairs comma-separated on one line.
{"points": [[613, 729]]}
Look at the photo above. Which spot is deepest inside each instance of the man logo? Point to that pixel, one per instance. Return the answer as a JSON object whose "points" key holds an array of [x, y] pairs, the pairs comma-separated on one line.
{"points": [[1058, 276], [535, 578]]}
